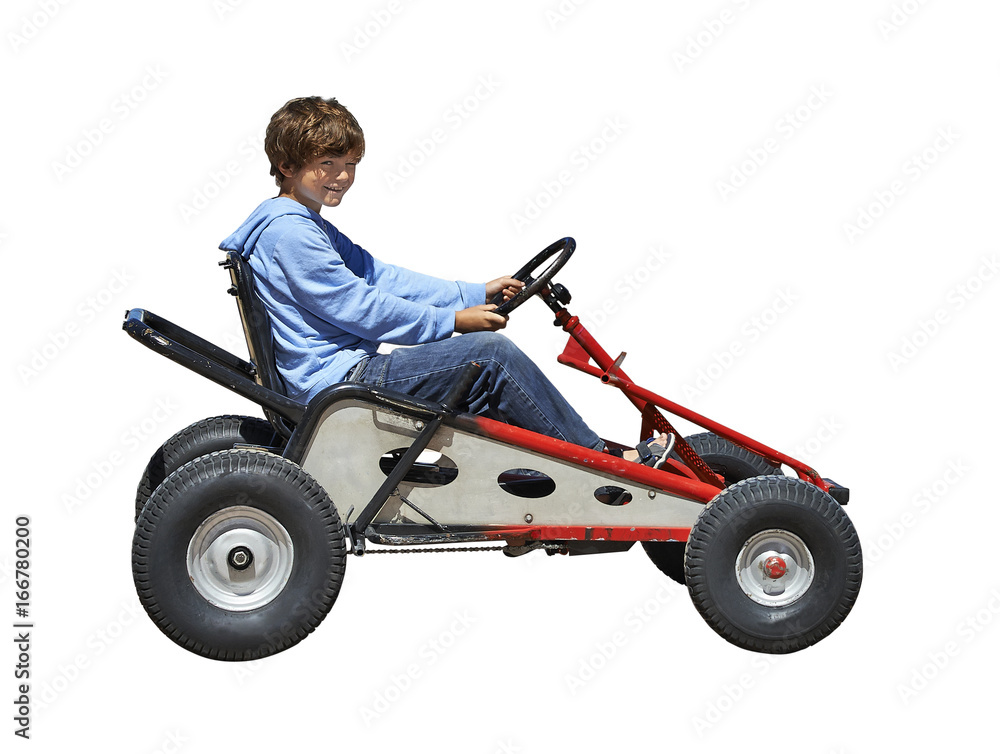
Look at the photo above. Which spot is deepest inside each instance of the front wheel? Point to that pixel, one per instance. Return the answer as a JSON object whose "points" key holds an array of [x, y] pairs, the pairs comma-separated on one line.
{"points": [[238, 555], [773, 564]]}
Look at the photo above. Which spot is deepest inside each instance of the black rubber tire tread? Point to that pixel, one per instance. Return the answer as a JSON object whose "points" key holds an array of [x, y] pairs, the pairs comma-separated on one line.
{"points": [[187, 498], [755, 505], [735, 463], [202, 438]]}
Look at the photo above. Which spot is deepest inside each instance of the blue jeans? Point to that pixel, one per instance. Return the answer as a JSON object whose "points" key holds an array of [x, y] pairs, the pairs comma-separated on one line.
{"points": [[510, 388]]}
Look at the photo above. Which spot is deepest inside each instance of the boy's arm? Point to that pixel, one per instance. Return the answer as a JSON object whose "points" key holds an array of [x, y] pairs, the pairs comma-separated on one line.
{"points": [[406, 283], [425, 289], [319, 279]]}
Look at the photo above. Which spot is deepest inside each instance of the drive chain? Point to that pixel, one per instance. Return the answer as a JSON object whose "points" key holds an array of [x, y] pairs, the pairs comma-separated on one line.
{"points": [[485, 548]]}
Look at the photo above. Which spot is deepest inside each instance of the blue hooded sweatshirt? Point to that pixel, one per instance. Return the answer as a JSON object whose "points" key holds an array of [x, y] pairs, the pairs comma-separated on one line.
{"points": [[330, 302]]}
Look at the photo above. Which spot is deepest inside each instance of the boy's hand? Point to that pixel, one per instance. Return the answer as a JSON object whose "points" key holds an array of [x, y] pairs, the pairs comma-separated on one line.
{"points": [[507, 285], [478, 319]]}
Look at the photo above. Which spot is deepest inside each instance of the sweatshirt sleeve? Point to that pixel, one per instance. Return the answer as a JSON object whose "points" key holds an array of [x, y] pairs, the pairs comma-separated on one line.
{"points": [[426, 289], [413, 286], [319, 279]]}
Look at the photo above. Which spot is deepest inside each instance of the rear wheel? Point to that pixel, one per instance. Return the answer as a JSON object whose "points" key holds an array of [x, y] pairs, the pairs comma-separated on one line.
{"points": [[773, 564], [199, 439], [734, 464], [238, 555]]}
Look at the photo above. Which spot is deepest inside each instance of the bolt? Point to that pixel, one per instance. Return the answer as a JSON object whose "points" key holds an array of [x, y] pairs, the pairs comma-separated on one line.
{"points": [[240, 558]]}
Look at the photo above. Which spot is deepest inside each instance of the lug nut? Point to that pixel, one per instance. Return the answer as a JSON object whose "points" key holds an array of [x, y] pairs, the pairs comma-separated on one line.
{"points": [[240, 558]]}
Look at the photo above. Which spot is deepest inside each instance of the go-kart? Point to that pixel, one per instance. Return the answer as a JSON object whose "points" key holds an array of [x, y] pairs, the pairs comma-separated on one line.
{"points": [[244, 525]]}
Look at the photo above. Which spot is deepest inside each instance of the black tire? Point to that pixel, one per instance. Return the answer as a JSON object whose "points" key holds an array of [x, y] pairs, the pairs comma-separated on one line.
{"points": [[723, 457], [799, 533], [212, 521], [202, 438], [732, 461]]}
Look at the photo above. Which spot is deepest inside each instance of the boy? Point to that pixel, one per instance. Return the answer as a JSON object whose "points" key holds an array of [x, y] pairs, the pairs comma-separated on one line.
{"points": [[331, 303]]}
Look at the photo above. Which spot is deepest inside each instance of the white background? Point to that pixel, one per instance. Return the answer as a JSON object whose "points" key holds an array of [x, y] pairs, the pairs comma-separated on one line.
{"points": [[132, 147]]}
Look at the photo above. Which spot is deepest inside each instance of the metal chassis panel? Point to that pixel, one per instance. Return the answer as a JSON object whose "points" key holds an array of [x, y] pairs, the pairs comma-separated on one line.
{"points": [[348, 428]]}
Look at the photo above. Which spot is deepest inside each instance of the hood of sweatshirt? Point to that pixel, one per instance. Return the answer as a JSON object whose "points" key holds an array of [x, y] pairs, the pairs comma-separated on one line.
{"points": [[245, 237]]}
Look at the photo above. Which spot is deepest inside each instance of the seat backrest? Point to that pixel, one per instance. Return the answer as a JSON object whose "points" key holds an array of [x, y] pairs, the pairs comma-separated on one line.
{"points": [[257, 330]]}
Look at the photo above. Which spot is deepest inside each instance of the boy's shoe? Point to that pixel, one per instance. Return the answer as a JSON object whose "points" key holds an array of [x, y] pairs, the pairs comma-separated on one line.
{"points": [[653, 454]]}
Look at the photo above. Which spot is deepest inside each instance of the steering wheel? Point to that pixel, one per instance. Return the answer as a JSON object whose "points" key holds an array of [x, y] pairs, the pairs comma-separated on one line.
{"points": [[564, 247]]}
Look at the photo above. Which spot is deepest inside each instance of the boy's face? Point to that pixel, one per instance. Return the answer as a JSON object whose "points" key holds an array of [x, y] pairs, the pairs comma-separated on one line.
{"points": [[322, 182]]}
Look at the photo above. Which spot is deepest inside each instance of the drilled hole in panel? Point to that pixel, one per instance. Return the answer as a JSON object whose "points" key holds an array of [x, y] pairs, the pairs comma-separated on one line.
{"points": [[526, 483], [612, 495], [432, 469]]}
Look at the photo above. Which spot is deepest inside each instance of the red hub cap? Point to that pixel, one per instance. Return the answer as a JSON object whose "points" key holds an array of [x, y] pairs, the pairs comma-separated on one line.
{"points": [[774, 567]]}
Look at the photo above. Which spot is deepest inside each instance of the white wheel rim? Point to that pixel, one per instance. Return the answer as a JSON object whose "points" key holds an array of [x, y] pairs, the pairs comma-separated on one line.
{"points": [[221, 570], [774, 568]]}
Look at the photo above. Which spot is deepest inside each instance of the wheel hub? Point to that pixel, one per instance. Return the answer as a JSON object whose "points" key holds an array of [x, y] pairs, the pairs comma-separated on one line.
{"points": [[240, 558], [774, 568]]}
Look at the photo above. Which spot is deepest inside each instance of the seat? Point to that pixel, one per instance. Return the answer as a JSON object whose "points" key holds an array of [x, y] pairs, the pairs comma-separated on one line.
{"points": [[257, 330]]}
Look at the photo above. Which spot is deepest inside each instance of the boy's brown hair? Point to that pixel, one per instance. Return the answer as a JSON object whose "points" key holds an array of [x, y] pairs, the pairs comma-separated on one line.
{"points": [[307, 127]]}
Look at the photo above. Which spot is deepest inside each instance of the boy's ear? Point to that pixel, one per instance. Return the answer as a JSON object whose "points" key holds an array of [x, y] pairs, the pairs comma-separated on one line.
{"points": [[286, 170]]}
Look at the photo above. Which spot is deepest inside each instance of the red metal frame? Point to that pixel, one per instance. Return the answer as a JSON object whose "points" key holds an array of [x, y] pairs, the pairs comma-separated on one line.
{"points": [[691, 479], [582, 347], [519, 535]]}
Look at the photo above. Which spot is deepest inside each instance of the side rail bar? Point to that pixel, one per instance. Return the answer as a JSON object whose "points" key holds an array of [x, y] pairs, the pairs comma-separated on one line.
{"points": [[208, 360]]}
